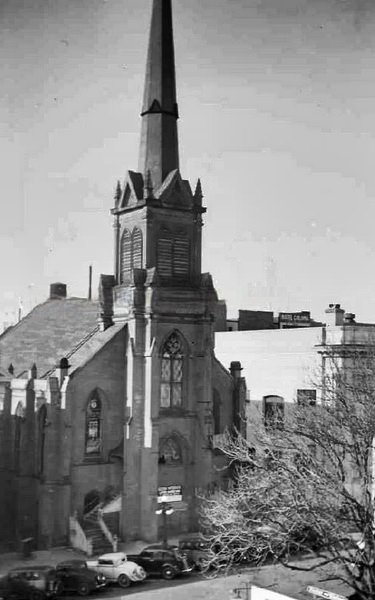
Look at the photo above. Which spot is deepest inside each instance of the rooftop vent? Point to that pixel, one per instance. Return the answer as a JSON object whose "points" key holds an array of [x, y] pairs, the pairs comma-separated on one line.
{"points": [[57, 291]]}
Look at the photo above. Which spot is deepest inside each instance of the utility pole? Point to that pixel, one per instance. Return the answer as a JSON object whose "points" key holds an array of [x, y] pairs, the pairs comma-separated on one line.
{"points": [[165, 510]]}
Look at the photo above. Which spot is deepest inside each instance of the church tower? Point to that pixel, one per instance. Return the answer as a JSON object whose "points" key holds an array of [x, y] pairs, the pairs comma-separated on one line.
{"points": [[159, 291]]}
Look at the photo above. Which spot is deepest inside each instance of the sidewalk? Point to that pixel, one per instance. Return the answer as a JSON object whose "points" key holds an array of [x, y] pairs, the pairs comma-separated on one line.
{"points": [[271, 577]]}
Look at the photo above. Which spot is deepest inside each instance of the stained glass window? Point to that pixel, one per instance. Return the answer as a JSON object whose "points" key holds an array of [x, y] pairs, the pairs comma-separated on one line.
{"points": [[93, 426], [172, 363], [42, 420]]}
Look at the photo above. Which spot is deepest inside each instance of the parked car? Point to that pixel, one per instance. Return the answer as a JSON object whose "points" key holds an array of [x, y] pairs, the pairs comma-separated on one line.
{"points": [[166, 561], [196, 549], [75, 576], [117, 568], [29, 583]]}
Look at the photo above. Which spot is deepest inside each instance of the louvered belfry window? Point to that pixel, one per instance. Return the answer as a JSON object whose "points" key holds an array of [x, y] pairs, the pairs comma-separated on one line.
{"points": [[181, 256], [164, 256], [173, 255], [131, 256], [137, 249], [172, 363], [125, 256]]}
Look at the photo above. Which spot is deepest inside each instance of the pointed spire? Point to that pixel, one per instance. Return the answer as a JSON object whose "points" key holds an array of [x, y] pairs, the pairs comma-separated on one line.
{"points": [[159, 142]]}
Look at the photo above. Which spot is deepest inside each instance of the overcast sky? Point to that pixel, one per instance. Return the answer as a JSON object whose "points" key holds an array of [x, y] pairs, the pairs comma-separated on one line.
{"points": [[277, 112]]}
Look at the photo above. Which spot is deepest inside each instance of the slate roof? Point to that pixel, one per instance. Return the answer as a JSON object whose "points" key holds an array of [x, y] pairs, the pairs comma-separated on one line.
{"points": [[86, 351], [49, 332]]}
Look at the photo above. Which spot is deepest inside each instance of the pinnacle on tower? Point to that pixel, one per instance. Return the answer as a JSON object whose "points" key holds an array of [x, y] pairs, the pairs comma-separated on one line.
{"points": [[118, 192], [159, 142], [198, 194]]}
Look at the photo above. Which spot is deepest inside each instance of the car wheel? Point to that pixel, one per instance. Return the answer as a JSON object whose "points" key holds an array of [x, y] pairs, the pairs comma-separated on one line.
{"points": [[123, 580], [168, 572], [59, 588], [83, 589]]}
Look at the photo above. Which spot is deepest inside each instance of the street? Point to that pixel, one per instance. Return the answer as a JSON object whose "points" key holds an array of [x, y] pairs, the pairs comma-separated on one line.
{"points": [[196, 586]]}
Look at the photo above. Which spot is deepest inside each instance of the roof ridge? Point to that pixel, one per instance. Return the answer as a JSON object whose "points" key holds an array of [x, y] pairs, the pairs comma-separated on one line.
{"points": [[26, 317], [75, 348]]}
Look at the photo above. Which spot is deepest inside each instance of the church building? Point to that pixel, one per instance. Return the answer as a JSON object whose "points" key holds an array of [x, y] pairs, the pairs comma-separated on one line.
{"points": [[109, 406]]}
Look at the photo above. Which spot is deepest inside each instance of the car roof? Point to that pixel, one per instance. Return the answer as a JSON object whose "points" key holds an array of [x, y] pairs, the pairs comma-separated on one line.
{"points": [[31, 568], [112, 556], [72, 563], [159, 547]]}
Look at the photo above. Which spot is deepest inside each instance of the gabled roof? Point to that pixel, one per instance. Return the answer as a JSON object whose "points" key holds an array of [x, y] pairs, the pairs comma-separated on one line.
{"points": [[48, 333], [132, 190], [86, 351], [175, 191]]}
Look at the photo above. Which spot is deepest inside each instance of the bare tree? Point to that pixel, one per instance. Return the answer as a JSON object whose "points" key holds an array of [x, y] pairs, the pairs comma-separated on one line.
{"points": [[303, 480]]}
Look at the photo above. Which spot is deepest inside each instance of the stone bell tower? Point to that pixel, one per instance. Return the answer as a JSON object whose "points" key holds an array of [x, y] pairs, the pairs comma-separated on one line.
{"points": [[168, 305]]}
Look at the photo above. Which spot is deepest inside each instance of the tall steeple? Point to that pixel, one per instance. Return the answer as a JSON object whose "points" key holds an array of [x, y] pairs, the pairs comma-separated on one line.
{"points": [[158, 154]]}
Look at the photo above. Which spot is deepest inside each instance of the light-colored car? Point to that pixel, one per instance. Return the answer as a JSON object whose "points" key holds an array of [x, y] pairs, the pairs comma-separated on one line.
{"points": [[118, 569]]}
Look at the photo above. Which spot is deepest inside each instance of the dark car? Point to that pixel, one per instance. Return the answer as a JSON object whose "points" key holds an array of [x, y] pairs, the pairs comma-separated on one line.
{"points": [[75, 576], [166, 561], [196, 549], [29, 583]]}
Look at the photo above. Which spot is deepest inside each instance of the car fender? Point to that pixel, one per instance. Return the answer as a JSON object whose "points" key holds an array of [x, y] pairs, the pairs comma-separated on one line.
{"points": [[138, 574]]}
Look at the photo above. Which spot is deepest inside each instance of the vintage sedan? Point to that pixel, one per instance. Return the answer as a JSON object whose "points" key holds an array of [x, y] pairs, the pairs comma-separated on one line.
{"points": [[29, 583], [116, 568], [166, 561], [75, 576]]}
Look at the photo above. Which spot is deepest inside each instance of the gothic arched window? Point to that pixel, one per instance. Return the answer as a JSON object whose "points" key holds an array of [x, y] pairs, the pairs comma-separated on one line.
{"points": [[19, 419], [137, 249], [181, 251], [125, 256], [216, 412], [173, 254], [42, 419], [164, 255], [172, 363], [93, 437]]}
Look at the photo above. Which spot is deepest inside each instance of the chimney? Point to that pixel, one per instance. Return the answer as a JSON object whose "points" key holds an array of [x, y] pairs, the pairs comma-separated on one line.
{"points": [[349, 319], [335, 315], [32, 373], [90, 283], [235, 369], [62, 369], [57, 291]]}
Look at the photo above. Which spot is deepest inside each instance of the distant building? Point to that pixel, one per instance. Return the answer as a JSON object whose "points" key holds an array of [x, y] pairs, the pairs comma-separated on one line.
{"points": [[253, 320]]}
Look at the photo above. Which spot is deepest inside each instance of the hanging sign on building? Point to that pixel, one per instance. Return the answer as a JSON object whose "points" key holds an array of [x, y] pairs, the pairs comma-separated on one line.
{"points": [[170, 493], [300, 319]]}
